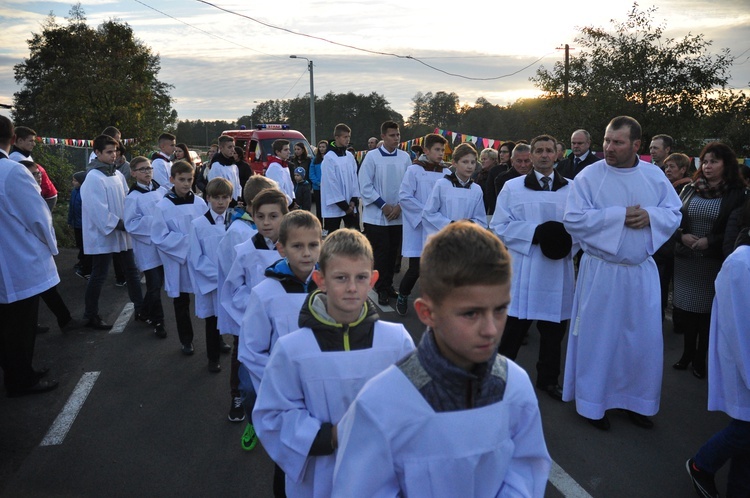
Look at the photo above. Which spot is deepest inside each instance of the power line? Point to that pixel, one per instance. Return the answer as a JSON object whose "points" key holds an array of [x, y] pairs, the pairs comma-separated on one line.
{"points": [[206, 32], [295, 84], [360, 49]]}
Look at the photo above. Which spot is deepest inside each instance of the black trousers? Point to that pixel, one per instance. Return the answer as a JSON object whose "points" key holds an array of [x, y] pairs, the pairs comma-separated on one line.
{"points": [[182, 318], [695, 327], [385, 242], [316, 201], [410, 277], [550, 346], [83, 259], [213, 339], [234, 372], [55, 303], [152, 307], [333, 224], [17, 340]]}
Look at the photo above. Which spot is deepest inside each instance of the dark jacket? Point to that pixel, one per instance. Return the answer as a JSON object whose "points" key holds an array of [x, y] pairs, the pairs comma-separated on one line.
{"points": [[567, 169], [733, 199], [500, 180], [303, 195]]}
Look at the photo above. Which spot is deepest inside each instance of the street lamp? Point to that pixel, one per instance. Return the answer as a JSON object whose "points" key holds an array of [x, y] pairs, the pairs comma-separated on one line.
{"points": [[312, 98]]}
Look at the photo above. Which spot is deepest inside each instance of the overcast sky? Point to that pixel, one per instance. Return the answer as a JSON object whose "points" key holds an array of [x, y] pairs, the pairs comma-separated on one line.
{"points": [[220, 75]]}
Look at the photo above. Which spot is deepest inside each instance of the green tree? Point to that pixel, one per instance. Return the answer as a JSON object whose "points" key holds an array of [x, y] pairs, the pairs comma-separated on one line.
{"points": [[77, 80], [634, 69]]}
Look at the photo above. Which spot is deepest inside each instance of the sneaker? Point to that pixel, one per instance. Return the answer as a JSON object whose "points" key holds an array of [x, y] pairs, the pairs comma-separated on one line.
{"points": [[121, 283], [96, 323], [84, 276], [249, 438], [140, 317], [402, 305], [702, 481], [160, 331], [187, 349], [236, 411], [214, 366], [383, 298]]}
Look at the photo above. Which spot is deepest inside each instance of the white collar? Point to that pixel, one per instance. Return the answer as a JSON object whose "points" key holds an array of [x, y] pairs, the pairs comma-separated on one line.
{"points": [[539, 177]]}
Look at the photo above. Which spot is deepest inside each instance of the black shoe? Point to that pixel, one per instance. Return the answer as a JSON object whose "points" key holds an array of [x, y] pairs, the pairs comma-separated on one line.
{"points": [[224, 347], [187, 349], [602, 424], [640, 420], [96, 323], [392, 293], [402, 305], [554, 391], [83, 275], [43, 386], [681, 365], [121, 283], [383, 298], [214, 366], [703, 482], [41, 373], [73, 324], [699, 371], [160, 331], [41, 330], [140, 317]]}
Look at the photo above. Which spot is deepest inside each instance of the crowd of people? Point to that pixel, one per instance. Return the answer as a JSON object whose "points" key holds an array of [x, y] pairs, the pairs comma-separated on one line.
{"points": [[498, 240]]}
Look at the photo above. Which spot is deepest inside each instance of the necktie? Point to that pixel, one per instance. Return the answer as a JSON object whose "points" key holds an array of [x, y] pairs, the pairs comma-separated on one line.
{"points": [[545, 181], [576, 162]]}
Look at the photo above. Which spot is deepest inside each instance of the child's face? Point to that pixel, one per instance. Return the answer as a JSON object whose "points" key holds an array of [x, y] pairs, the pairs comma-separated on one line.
{"points": [[75, 183], [26, 144], [182, 183], [301, 250], [284, 153], [468, 324], [107, 156], [167, 146], [465, 166], [268, 220], [36, 174], [298, 178], [343, 139], [219, 203], [227, 149], [435, 153], [144, 173], [346, 282]]}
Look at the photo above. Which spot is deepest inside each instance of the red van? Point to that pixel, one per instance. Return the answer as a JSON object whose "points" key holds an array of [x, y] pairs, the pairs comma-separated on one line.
{"points": [[257, 143]]}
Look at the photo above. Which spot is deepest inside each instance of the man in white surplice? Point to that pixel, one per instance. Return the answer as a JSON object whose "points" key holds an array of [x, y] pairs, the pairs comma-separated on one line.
{"points": [[621, 210]]}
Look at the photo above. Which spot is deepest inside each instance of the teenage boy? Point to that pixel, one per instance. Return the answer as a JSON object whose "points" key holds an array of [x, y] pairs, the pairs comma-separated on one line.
{"points": [[314, 373], [454, 388], [455, 196], [223, 165], [27, 268], [416, 188], [140, 205], [103, 210], [205, 234], [274, 304], [241, 228], [161, 161], [252, 258], [278, 169], [380, 179], [170, 232], [339, 188], [21, 151]]}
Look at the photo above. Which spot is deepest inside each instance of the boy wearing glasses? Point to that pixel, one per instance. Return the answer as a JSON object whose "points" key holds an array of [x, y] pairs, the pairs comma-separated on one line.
{"points": [[139, 207]]}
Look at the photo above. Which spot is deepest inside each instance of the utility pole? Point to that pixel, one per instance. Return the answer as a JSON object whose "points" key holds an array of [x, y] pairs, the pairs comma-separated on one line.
{"points": [[566, 74]]}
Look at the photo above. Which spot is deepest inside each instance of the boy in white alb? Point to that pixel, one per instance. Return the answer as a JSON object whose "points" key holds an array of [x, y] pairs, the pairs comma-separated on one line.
{"points": [[416, 187], [140, 203], [278, 169], [339, 188], [162, 161], [455, 196], [380, 179], [170, 232], [223, 165], [314, 373], [205, 234], [453, 418]]}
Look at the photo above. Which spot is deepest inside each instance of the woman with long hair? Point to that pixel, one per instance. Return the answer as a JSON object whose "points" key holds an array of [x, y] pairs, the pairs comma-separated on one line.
{"points": [[707, 202]]}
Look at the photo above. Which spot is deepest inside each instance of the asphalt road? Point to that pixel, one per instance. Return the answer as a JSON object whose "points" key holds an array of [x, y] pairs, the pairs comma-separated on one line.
{"points": [[155, 422]]}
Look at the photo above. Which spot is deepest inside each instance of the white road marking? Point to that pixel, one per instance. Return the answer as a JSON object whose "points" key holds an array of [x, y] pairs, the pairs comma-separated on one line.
{"points": [[566, 484], [123, 319], [374, 296], [62, 424]]}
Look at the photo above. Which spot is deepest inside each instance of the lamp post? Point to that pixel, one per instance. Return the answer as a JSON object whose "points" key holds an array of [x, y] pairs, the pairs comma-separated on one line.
{"points": [[312, 98]]}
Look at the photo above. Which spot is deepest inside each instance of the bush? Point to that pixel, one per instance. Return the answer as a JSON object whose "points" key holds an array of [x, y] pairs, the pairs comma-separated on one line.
{"points": [[55, 161]]}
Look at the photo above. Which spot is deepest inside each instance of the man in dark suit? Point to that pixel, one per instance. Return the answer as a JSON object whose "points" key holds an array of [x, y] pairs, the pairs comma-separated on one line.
{"points": [[582, 155], [520, 165]]}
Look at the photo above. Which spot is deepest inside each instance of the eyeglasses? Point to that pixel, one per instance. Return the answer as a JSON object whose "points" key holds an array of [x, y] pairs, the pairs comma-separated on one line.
{"points": [[144, 169]]}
